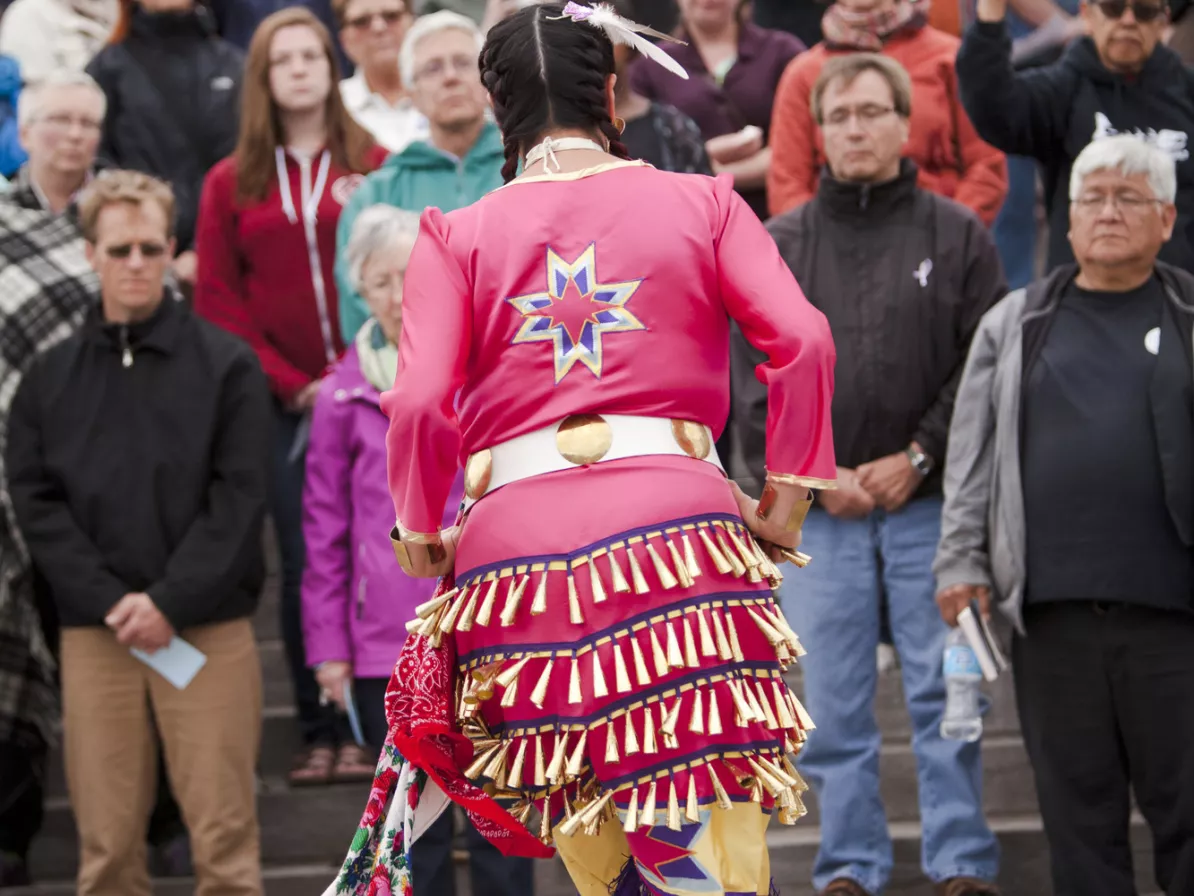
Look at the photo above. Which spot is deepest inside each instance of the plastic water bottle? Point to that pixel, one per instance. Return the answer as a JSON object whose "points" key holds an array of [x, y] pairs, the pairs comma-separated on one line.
{"points": [[963, 719]]}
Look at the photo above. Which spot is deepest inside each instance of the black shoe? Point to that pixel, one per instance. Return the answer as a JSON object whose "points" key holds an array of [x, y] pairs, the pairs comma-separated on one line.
{"points": [[14, 871], [172, 858]]}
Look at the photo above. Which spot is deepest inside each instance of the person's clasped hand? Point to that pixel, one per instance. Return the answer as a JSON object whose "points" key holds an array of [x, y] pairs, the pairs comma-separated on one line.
{"points": [[332, 677], [769, 531], [137, 622], [849, 501], [890, 480]]}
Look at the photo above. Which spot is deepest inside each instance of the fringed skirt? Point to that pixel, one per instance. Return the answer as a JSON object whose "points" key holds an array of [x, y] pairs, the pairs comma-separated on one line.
{"points": [[620, 656]]}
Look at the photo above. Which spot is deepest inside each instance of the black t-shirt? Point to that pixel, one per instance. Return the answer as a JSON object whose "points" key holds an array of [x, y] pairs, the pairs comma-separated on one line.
{"points": [[1098, 526]]}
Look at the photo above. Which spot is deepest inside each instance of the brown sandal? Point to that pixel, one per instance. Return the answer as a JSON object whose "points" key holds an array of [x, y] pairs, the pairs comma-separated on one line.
{"points": [[312, 767], [353, 765]]}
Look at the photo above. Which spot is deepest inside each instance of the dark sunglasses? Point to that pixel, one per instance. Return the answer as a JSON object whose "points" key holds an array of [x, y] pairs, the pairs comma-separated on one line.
{"points": [[1144, 12], [389, 18], [125, 250]]}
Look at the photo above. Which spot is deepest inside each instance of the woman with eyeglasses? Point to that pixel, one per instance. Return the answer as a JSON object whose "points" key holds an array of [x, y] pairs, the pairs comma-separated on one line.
{"points": [[172, 86], [951, 159], [266, 240]]}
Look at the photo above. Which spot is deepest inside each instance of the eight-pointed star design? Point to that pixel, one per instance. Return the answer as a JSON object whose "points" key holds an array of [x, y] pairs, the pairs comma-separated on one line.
{"points": [[575, 311]]}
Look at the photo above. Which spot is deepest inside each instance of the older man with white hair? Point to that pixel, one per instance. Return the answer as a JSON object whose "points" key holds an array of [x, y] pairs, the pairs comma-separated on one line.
{"points": [[1069, 507], [459, 162]]}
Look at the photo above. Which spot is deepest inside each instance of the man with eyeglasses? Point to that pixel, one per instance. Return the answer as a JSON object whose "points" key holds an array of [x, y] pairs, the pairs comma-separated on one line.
{"points": [[1119, 80], [1069, 509], [371, 32], [460, 160], [903, 275], [137, 456]]}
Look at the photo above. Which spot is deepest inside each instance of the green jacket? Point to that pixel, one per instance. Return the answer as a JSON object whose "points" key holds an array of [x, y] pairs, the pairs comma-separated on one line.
{"points": [[418, 177]]}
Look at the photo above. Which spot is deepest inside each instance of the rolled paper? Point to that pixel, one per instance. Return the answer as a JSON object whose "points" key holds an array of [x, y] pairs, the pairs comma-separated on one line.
{"points": [[723, 798], [599, 688], [599, 595], [513, 599], [621, 678], [765, 705], [540, 693], [646, 817], [630, 744], [690, 652], [707, 646], [574, 614], [611, 743], [486, 610], [692, 809], [577, 759], [539, 604], [735, 647], [661, 664], [666, 579], [690, 560], [724, 652], [675, 659], [673, 807], [621, 586], [636, 574], [540, 764], [720, 563], [514, 779], [678, 563], [696, 721], [714, 714], [508, 675], [631, 823], [640, 662], [470, 609], [574, 695]]}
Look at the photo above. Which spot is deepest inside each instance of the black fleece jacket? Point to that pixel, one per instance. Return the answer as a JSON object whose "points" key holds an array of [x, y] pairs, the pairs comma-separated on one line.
{"points": [[137, 461], [1052, 113]]}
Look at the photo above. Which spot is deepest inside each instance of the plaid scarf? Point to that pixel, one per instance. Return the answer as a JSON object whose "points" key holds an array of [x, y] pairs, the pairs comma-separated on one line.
{"points": [[46, 287], [848, 30]]}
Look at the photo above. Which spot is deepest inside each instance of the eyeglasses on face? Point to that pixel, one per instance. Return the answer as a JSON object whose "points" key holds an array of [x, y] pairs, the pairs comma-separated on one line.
{"points": [[1143, 12], [64, 122], [389, 18], [867, 115], [1125, 202], [437, 68], [123, 251]]}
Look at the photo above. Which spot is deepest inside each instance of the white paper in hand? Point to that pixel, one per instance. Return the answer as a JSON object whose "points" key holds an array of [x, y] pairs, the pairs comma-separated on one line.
{"points": [[178, 662]]}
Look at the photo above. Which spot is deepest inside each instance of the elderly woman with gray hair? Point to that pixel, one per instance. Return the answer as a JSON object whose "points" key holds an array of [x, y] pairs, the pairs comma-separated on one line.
{"points": [[355, 598]]}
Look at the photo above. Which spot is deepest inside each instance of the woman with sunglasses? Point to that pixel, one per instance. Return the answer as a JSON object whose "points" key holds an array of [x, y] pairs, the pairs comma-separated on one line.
{"points": [[266, 240], [1121, 79], [951, 159]]}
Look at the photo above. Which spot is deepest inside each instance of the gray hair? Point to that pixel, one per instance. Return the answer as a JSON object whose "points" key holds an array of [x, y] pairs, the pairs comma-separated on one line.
{"points": [[1129, 155], [425, 26], [32, 97], [377, 227]]}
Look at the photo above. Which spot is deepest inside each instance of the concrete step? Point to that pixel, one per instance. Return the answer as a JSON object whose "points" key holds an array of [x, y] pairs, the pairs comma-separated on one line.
{"points": [[1025, 866]]}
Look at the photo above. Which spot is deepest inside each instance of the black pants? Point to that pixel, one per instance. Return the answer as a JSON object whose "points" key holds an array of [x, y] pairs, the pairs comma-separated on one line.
{"points": [[317, 724], [433, 872], [22, 794], [1106, 700]]}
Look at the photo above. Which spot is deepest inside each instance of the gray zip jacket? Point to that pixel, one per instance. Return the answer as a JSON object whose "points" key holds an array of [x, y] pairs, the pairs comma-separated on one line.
{"points": [[983, 528]]}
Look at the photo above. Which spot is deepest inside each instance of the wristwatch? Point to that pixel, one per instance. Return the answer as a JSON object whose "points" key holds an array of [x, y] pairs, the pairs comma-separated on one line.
{"points": [[921, 462]]}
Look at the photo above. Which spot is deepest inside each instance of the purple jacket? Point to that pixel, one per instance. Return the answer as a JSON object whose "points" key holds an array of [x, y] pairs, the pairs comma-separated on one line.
{"points": [[356, 601]]}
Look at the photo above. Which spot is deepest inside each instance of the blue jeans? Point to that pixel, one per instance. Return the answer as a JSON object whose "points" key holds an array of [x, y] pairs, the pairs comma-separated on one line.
{"points": [[1015, 228], [834, 605]]}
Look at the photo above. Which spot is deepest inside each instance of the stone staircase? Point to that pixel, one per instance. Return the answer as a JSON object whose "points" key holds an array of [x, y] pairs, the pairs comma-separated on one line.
{"points": [[306, 832]]}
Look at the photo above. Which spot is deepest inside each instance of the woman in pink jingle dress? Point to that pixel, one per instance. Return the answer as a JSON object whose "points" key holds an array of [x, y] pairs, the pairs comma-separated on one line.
{"points": [[617, 648]]}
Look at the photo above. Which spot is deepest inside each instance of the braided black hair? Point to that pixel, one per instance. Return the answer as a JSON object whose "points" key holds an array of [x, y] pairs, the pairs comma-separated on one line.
{"points": [[545, 72]]}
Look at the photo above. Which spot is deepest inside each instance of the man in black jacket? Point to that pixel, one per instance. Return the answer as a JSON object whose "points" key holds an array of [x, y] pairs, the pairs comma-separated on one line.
{"points": [[1120, 80], [903, 276], [137, 461]]}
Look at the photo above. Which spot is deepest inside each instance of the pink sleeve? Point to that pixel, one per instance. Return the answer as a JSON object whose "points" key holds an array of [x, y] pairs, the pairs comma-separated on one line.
{"points": [[761, 294], [423, 442]]}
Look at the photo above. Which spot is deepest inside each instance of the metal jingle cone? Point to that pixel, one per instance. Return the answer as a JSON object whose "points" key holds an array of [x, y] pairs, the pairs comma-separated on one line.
{"points": [[675, 659], [646, 817], [708, 648], [574, 614], [631, 823], [742, 713], [673, 807], [692, 809], [621, 677], [636, 573], [690, 560], [540, 778], [765, 705], [428, 607], [598, 589], [773, 635], [723, 798], [486, 609], [802, 716], [672, 716], [539, 695], [599, 687], [724, 651], [720, 563], [513, 599], [470, 610], [666, 579], [748, 556], [611, 743], [752, 701], [480, 762], [539, 604], [576, 761], [735, 647], [696, 721], [738, 567], [508, 675], [621, 586], [640, 662], [686, 580], [574, 692], [545, 821], [714, 714], [514, 779], [691, 660], [783, 715], [510, 695], [497, 765], [661, 663], [650, 747], [630, 744]]}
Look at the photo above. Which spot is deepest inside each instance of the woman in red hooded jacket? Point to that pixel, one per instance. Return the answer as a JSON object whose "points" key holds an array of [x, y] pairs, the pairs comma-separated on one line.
{"points": [[266, 243]]}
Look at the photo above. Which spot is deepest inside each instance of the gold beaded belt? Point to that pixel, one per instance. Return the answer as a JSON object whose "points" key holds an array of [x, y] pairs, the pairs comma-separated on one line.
{"points": [[583, 439]]}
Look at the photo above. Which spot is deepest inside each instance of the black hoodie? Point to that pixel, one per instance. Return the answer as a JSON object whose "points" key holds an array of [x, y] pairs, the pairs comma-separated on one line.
{"points": [[1052, 113]]}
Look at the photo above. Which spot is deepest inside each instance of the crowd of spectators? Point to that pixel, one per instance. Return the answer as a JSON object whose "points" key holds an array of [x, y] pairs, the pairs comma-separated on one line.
{"points": [[210, 209]]}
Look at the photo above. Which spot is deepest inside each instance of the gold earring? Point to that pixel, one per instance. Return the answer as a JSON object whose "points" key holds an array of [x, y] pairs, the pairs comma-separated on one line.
{"points": [[620, 125]]}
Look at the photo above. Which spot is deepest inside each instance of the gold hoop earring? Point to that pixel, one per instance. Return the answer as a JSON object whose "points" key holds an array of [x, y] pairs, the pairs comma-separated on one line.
{"points": [[619, 125]]}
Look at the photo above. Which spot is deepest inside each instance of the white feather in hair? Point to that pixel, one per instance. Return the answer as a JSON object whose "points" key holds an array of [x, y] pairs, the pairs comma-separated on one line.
{"points": [[623, 31]]}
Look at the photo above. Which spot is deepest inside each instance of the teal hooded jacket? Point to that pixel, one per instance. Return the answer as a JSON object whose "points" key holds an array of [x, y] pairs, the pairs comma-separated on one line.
{"points": [[414, 179]]}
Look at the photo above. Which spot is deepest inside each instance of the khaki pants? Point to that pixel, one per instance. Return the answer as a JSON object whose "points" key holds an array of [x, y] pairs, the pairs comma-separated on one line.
{"points": [[210, 731]]}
